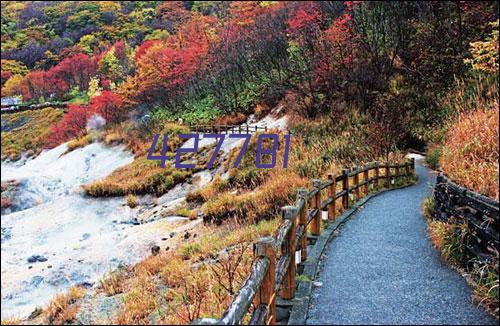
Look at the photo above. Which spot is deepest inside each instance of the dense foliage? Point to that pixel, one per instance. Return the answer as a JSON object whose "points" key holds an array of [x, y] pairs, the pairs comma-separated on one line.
{"points": [[184, 56]]}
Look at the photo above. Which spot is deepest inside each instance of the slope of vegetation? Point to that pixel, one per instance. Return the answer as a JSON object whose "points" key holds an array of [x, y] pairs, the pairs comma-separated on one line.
{"points": [[470, 155], [200, 61], [466, 147], [26, 132]]}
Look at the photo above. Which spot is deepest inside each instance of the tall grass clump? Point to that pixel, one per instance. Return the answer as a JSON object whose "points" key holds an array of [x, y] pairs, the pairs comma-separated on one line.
{"points": [[471, 151]]}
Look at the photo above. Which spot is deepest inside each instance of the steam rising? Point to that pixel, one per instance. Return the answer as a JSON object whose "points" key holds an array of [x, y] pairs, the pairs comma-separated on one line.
{"points": [[95, 122]]}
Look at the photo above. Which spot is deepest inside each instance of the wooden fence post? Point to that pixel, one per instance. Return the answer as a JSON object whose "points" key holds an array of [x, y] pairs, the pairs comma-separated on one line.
{"points": [[407, 168], [377, 173], [288, 248], [266, 294], [302, 193], [366, 176], [413, 165], [387, 175], [332, 190], [316, 204], [356, 184], [248, 129], [345, 187]]}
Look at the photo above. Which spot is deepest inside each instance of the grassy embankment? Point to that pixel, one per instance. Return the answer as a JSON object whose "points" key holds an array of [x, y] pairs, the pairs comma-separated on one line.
{"points": [[467, 151], [26, 132], [447, 238]]}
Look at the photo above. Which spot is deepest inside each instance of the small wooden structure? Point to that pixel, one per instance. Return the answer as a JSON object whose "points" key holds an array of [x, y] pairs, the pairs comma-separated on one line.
{"points": [[228, 129]]}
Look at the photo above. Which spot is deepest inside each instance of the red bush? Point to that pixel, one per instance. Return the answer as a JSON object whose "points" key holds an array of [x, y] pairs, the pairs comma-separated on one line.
{"points": [[71, 125], [108, 105], [5, 76]]}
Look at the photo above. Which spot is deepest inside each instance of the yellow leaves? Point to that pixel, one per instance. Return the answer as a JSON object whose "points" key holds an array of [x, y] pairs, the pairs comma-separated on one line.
{"points": [[12, 86], [15, 67], [113, 6], [485, 53]]}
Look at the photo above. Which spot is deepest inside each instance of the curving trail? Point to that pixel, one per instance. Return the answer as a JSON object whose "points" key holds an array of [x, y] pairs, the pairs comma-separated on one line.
{"points": [[382, 269]]}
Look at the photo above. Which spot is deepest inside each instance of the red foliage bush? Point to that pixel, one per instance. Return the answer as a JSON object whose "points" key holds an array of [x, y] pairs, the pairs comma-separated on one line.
{"points": [[72, 125], [5, 76], [74, 71], [143, 48], [108, 105]]}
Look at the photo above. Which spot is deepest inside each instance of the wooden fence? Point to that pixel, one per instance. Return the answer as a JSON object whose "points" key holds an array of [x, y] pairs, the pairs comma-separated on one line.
{"points": [[276, 258], [479, 213], [228, 129]]}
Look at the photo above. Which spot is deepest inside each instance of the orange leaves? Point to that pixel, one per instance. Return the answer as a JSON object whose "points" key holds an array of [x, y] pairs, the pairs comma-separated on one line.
{"points": [[470, 156], [166, 66]]}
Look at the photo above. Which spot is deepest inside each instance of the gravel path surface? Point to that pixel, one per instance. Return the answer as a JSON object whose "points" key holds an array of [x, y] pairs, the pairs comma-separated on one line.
{"points": [[382, 269]]}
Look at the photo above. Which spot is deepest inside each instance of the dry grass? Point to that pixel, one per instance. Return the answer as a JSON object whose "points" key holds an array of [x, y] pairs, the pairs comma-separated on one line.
{"points": [[142, 176], [261, 203], [447, 238], [132, 201], [192, 281], [112, 283], [231, 119], [328, 145], [80, 142], [139, 177], [486, 287], [63, 308], [12, 321], [29, 131], [471, 152]]}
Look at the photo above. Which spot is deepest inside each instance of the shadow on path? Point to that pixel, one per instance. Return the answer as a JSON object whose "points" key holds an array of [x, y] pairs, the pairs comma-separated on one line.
{"points": [[382, 269]]}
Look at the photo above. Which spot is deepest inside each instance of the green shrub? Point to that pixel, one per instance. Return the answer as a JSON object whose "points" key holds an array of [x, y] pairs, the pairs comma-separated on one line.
{"points": [[190, 249], [193, 111], [433, 156]]}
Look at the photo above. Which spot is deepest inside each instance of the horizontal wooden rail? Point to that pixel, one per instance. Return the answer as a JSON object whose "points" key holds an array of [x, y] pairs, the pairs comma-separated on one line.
{"points": [[479, 213], [272, 275], [228, 129]]}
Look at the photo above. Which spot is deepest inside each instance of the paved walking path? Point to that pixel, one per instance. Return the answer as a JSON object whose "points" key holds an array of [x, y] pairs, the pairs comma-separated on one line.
{"points": [[382, 269]]}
